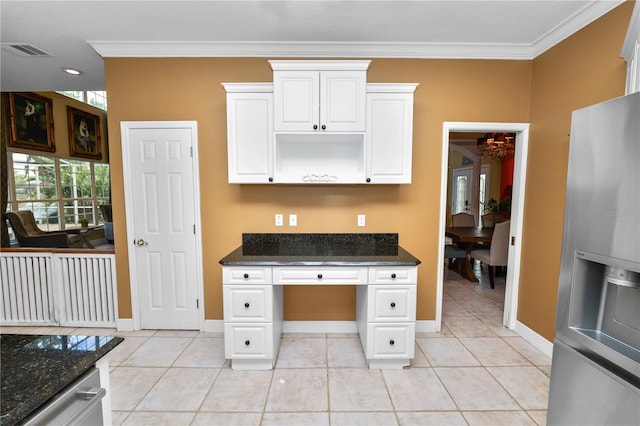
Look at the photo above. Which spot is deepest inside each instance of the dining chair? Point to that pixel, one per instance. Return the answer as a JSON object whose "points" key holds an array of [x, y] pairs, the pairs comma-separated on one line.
{"points": [[498, 253], [487, 220], [463, 219], [453, 252]]}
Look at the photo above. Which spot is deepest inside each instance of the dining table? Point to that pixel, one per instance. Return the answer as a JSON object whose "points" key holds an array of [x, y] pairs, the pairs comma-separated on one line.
{"points": [[466, 237]]}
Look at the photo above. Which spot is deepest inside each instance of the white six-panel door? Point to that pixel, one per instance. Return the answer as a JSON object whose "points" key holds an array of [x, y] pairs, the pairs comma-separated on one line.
{"points": [[162, 221]]}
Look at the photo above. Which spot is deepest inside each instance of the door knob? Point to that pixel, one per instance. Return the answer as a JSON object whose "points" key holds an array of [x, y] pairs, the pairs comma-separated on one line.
{"points": [[140, 242]]}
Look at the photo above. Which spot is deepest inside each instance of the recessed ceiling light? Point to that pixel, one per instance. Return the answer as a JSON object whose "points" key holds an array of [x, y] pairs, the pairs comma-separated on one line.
{"points": [[72, 71]]}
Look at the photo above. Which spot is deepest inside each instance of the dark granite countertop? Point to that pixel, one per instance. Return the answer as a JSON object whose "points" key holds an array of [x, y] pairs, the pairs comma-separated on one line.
{"points": [[319, 250], [35, 368]]}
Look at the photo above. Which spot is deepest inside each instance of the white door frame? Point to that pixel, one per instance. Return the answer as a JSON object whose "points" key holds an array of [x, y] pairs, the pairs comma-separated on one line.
{"points": [[517, 210], [125, 126]]}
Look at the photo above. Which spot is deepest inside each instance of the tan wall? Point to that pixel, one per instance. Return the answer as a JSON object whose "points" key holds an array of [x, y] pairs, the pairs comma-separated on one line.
{"points": [[189, 89], [61, 129], [582, 70]]}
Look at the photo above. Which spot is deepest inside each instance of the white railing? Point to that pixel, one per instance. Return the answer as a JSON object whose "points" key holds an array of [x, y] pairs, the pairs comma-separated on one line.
{"points": [[58, 288]]}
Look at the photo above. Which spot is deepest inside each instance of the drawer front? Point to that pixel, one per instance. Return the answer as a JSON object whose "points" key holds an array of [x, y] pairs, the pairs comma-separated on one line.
{"points": [[246, 275], [246, 341], [248, 303], [319, 275], [393, 275], [392, 303], [391, 341]]}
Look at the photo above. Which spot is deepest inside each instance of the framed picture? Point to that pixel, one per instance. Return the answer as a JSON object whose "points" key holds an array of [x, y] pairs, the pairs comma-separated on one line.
{"points": [[31, 122], [84, 134]]}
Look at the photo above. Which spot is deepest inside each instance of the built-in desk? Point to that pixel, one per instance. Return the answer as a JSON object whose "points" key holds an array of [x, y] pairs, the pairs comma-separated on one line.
{"points": [[254, 274]]}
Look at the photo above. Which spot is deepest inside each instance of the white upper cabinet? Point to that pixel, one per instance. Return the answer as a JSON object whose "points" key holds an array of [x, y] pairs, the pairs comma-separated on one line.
{"points": [[319, 96], [319, 122], [389, 132], [250, 132]]}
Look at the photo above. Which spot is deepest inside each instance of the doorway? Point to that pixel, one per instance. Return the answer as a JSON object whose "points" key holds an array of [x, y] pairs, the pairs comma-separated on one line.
{"points": [[517, 206], [160, 168]]}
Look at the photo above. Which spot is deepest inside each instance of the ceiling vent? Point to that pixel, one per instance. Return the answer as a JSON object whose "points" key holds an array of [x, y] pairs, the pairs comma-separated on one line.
{"points": [[24, 49]]}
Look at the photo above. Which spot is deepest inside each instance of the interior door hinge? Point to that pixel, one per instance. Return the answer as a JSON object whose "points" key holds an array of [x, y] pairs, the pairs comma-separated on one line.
{"points": [[191, 150], [194, 229], [513, 241], [197, 303]]}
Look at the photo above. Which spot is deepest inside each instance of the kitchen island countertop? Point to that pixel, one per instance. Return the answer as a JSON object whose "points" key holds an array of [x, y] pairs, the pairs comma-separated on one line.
{"points": [[34, 368]]}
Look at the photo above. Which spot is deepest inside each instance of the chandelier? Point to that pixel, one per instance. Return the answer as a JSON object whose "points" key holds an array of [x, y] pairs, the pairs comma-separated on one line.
{"points": [[497, 145]]}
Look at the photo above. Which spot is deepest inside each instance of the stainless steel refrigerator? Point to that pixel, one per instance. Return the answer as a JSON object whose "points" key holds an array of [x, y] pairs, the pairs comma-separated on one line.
{"points": [[595, 372]]}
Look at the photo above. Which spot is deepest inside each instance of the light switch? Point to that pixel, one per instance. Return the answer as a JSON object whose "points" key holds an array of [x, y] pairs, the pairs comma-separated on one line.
{"points": [[293, 220], [279, 219]]}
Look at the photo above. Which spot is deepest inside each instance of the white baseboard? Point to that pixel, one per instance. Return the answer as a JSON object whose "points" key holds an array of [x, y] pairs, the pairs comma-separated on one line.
{"points": [[425, 326], [124, 324], [213, 326], [319, 327], [534, 338]]}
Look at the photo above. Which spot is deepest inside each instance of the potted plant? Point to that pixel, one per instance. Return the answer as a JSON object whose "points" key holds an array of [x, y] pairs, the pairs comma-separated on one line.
{"points": [[501, 210], [84, 222]]}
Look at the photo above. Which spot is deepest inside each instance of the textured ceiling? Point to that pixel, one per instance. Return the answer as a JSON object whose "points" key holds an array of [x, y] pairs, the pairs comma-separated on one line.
{"points": [[79, 34]]}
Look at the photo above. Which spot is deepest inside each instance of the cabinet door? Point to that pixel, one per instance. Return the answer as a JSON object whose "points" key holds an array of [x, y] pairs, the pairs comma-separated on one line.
{"points": [[250, 137], [297, 100], [389, 137], [342, 101]]}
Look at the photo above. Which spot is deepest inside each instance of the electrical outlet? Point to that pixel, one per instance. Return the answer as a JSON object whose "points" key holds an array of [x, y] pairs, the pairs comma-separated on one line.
{"points": [[279, 219], [293, 220], [361, 220]]}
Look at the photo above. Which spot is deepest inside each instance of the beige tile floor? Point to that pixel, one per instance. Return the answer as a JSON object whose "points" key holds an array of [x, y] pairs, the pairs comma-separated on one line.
{"points": [[474, 372]]}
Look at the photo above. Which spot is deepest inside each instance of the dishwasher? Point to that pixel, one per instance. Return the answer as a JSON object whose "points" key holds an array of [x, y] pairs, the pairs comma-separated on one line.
{"points": [[80, 403]]}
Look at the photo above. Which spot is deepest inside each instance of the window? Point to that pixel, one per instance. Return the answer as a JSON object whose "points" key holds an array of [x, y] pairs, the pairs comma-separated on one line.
{"points": [[96, 98], [35, 188], [58, 191]]}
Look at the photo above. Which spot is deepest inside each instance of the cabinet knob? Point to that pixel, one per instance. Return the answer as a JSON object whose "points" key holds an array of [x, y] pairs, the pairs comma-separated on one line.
{"points": [[393, 276], [392, 342], [368, 180], [247, 342], [270, 179], [319, 276], [393, 304], [246, 276], [324, 127], [315, 127], [246, 305]]}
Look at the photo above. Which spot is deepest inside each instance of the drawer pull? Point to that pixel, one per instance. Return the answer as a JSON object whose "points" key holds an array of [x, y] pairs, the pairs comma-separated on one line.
{"points": [[246, 305], [246, 276], [319, 276], [393, 276], [392, 342], [393, 304], [247, 342]]}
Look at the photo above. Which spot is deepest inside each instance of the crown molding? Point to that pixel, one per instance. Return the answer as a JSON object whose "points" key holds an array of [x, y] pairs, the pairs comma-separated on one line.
{"points": [[574, 23], [185, 49]]}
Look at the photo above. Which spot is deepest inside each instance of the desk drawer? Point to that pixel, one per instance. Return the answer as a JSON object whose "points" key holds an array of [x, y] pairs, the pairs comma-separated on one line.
{"points": [[246, 275], [393, 275], [247, 341], [392, 303], [319, 275], [391, 341], [248, 303]]}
